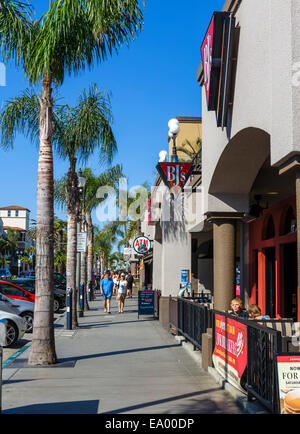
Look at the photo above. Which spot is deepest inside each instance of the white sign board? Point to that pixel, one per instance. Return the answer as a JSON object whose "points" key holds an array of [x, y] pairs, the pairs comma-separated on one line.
{"points": [[81, 241]]}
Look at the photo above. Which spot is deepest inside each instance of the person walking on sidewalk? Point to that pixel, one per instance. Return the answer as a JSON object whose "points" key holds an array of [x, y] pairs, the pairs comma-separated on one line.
{"points": [[116, 282], [121, 292], [106, 289], [130, 281]]}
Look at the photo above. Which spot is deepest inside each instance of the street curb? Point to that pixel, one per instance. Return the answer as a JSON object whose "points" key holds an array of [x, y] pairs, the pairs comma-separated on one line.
{"points": [[240, 398]]}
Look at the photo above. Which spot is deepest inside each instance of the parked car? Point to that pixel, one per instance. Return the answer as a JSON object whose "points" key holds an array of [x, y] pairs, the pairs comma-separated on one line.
{"points": [[5, 273], [59, 279], [29, 285], [16, 325], [13, 291], [25, 309]]}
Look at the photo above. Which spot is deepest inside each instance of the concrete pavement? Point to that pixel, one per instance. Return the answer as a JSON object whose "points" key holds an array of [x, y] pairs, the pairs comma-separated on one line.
{"points": [[114, 364]]}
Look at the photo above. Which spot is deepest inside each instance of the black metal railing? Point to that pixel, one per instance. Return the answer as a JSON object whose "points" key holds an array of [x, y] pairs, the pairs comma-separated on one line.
{"points": [[173, 313], [193, 320], [259, 379], [263, 344]]}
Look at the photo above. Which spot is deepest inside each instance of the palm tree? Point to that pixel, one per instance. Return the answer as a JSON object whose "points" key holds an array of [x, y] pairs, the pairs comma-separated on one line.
{"points": [[69, 37], [81, 130], [105, 240], [190, 149], [90, 201]]}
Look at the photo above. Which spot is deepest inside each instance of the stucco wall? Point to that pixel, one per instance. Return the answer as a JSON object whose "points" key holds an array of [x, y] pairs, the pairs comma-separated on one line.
{"points": [[265, 95]]}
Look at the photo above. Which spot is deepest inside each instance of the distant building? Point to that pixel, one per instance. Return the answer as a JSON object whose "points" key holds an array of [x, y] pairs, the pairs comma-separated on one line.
{"points": [[17, 219]]}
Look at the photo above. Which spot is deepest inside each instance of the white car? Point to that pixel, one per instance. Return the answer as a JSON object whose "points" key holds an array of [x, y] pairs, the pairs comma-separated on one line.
{"points": [[25, 310], [16, 325]]}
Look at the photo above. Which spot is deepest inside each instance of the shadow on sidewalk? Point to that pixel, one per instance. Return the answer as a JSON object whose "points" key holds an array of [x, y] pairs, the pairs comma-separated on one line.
{"points": [[105, 324], [114, 353], [162, 401], [76, 407]]}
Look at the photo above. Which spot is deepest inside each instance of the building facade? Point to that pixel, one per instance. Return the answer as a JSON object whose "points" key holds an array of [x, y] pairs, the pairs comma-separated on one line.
{"points": [[250, 175], [238, 235], [17, 219]]}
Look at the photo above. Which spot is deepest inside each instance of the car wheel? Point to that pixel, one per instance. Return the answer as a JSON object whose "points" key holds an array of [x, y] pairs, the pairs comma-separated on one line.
{"points": [[56, 305], [12, 333], [28, 316]]}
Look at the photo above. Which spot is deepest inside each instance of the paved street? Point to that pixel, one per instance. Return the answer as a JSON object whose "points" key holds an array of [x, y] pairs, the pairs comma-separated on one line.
{"points": [[114, 364]]}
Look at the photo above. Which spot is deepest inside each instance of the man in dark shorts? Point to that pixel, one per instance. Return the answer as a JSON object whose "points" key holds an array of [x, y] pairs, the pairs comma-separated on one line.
{"points": [[130, 281], [106, 289]]}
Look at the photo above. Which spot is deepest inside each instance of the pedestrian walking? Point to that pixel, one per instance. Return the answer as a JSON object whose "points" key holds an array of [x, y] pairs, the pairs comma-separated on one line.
{"points": [[106, 289], [130, 281], [121, 292], [116, 283]]}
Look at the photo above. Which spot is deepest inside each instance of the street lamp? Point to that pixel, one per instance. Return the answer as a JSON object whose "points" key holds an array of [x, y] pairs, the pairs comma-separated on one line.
{"points": [[19, 253], [81, 182], [81, 185], [174, 129]]}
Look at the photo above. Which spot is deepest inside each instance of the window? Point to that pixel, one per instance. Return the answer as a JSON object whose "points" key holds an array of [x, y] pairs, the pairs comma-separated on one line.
{"points": [[7, 289], [17, 213], [9, 213], [290, 223], [269, 231]]}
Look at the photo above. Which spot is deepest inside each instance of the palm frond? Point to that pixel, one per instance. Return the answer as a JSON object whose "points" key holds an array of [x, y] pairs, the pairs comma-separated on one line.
{"points": [[20, 114], [75, 33]]}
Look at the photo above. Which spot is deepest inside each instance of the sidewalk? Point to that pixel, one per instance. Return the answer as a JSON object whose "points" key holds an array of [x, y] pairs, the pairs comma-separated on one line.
{"points": [[116, 364]]}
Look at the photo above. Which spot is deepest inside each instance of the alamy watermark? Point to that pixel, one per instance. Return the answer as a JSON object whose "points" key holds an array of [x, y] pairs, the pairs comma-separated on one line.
{"points": [[139, 204]]}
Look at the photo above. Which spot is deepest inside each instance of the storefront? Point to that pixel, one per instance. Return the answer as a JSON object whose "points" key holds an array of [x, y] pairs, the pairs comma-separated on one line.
{"points": [[251, 150], [273, 260]]}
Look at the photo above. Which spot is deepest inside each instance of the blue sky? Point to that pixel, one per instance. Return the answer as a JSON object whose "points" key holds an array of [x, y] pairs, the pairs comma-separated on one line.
{"points": [[150, 82]]}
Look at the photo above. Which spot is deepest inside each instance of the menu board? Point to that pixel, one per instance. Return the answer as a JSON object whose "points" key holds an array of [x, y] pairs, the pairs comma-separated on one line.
{"points": [[145, 302], [288, 382]]}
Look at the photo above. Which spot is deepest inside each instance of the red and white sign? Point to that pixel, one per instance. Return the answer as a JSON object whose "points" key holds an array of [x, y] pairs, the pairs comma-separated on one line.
{"points": [[142, 245], [206, 51], [230, 352], [175, 175]]}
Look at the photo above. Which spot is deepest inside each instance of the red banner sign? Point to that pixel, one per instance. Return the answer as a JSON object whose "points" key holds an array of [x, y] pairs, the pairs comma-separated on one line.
{"points": [[230, 352], [175, 175]]}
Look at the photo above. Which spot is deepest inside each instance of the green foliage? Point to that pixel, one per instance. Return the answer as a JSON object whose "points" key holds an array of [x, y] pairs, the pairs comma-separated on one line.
{"points": [[69, 37]]}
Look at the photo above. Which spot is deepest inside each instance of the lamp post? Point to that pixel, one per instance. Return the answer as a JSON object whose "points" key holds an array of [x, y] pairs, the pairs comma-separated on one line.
{"points": [[174, 129], [19, 253], [81, 185]]}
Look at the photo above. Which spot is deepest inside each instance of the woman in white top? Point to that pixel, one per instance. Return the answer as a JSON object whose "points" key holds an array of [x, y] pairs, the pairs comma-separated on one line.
{"points": [[116, 283], [121, 292]]}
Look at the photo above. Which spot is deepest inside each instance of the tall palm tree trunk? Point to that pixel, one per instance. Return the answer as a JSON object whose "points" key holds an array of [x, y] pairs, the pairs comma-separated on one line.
{"points": [[73, 207], [83, 264], [90, 248], [43, 343]]}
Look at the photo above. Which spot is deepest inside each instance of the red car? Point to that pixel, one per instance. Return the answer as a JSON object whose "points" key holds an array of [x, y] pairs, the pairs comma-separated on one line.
{"points": [[11, 290]]}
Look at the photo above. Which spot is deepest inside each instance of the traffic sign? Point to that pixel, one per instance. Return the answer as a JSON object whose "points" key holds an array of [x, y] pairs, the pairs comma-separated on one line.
{"points": [[81, 241]]}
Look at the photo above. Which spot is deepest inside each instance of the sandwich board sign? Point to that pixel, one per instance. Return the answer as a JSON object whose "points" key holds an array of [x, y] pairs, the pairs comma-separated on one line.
{"points": [[288, 383], [145, 302]]}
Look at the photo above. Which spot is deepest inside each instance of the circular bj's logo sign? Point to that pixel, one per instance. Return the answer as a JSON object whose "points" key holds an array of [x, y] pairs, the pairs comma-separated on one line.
{"points": [[142, 245]]}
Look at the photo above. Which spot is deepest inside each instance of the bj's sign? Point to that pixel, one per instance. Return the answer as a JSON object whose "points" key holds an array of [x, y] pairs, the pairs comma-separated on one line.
{"points": [[216, 51], [175, 175]]}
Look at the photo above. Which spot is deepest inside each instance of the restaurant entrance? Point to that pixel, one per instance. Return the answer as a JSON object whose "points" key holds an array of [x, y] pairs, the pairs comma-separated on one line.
{"points": [[290, 280]]}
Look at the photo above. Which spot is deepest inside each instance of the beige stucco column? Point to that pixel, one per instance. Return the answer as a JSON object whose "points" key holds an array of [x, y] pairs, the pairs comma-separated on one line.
{"points": [[224, 262]]}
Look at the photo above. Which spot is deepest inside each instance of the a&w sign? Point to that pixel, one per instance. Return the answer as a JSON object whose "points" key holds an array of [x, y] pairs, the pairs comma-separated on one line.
{"points": [[175, 175]]}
